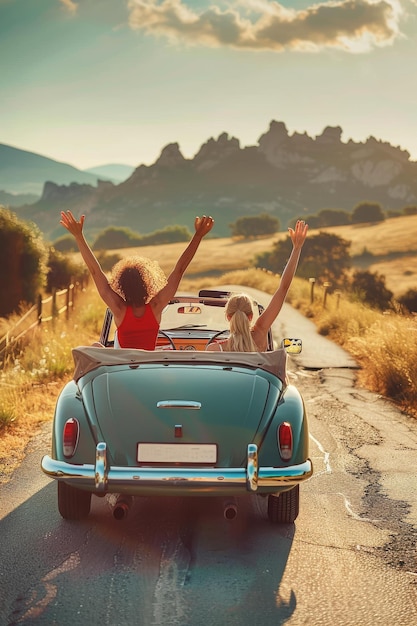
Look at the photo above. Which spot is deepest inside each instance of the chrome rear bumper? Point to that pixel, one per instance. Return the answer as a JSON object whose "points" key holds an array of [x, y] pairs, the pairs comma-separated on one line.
{"points": [[101, 478]]}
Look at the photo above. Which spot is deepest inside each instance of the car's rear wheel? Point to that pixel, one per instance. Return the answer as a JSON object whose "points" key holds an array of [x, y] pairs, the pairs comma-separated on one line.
{"points": [[73, 504], [284, 509]]}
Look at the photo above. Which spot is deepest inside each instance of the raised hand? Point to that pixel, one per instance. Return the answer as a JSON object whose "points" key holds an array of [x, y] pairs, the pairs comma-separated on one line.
{"points": [[70, 223], [298, 236], [203, 225]]}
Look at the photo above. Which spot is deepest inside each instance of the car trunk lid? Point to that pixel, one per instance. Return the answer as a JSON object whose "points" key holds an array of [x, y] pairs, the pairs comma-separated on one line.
{"points": [[181, 404]]}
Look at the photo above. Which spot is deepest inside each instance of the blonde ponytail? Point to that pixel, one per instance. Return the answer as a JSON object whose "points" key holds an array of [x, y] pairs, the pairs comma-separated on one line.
{"points": [[239, 311]]}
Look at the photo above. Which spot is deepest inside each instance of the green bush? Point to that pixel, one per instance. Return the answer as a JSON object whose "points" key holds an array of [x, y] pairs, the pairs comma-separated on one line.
{"points": [[22, 262], [255, 226], [62, 271], [370, 288], [170, 234], [107, 261], [409, 300], [367, 212], [325, 257], [65, 244], [116, 237]]}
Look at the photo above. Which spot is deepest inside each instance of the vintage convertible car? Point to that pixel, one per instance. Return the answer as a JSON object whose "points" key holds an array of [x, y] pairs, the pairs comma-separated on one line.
{"points": [[180, 420]]}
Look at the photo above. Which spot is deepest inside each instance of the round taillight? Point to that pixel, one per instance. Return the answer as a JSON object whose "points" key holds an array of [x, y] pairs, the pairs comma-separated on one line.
{"points": [[70, 437], [285, 441]]}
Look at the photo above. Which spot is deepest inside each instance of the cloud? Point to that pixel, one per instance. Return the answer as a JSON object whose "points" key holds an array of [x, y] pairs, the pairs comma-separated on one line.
{"points": [[69, 5], [351, 25]]}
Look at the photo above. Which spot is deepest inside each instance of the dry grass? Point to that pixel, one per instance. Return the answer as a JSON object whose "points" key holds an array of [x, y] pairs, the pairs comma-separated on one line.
{"points": [[29, 407], [384, 345], [398, 234], [391, 240], [213, 256], [400, 274], [394, 236], [33, 376], [388, 353]]}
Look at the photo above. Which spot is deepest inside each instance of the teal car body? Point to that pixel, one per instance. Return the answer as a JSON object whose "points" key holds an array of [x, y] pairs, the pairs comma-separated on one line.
{"points": [[180, 420]]}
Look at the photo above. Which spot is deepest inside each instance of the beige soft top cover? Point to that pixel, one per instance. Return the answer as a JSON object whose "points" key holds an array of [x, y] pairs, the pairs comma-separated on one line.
{"points": [[87, 358]]}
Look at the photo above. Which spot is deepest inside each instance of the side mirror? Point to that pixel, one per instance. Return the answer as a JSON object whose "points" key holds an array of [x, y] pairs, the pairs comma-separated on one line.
{"points": [[292, 346]]}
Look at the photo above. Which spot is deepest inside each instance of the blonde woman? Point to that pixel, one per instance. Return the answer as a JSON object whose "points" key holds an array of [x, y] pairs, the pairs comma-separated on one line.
{"points": [[243, 336]]}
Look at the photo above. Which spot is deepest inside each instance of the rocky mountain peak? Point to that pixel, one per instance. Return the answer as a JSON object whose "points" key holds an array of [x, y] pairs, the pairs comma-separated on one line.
{"points": [[216, 150], [331, 135], [170, 156], [285, 175]]}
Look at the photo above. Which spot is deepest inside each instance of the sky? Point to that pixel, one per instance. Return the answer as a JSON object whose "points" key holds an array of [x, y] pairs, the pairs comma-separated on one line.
{"points": [[93, 82]]}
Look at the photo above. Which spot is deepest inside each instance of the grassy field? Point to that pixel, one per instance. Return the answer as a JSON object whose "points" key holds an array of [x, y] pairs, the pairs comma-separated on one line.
{"points": [[394, 235], [31, 379], [385, 346], [392, 242], [394, 245]]}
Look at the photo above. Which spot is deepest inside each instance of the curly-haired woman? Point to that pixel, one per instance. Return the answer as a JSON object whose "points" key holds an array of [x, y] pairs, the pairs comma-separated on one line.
{"points": [[138, 290]]}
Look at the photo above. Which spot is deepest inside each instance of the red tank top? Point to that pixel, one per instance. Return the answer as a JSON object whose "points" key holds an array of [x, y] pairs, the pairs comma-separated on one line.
{"points": [[138, 332]]}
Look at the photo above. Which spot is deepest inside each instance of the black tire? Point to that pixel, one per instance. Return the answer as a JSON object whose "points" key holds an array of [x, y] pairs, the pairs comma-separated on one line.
{"points": [[284, 509], [73, 504]]}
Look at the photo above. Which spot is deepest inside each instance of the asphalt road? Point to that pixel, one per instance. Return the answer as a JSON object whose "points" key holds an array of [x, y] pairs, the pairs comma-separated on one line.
{"points": [[349, 560]]}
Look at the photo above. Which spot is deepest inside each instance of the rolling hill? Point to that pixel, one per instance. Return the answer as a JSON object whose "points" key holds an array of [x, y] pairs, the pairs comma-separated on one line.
{"points": [[23, 172]]}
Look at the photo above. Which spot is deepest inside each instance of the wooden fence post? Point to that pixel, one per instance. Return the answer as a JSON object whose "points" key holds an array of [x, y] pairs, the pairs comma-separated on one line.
{"points": [[54, 312], [67, 302], [40, 309], [312, 283], [326, 287]]}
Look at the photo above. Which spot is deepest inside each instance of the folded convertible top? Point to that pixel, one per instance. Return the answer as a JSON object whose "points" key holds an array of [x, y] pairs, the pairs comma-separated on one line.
{"points": [[88, 358]]}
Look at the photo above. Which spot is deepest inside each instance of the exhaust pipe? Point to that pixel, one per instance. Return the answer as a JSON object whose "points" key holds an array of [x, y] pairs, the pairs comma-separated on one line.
{"points": [[230, 510], [122, 506]]}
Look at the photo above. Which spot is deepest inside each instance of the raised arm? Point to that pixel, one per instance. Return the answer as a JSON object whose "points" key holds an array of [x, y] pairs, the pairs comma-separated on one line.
{"points": [[202, 225], [268, 317], [109, 296]]}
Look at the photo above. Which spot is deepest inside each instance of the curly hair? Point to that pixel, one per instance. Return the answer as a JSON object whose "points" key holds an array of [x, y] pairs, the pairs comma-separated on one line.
{"points": [[137, 279], [238, 311]]}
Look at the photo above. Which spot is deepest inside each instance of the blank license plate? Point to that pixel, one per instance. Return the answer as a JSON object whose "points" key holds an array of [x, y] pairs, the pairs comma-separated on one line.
{"points": [[177, 453]]}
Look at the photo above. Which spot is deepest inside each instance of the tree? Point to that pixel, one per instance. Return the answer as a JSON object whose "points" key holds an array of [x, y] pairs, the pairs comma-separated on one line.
{"points": [[324, 256], [22, 262], [409, 300], [334, 217], [370, 288], [255, 226], [367, 212], [62, 271], [66, 243], [410, 210], [170, 234], [312, 220], [108, 261], [327, 217], [116, 237]]}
